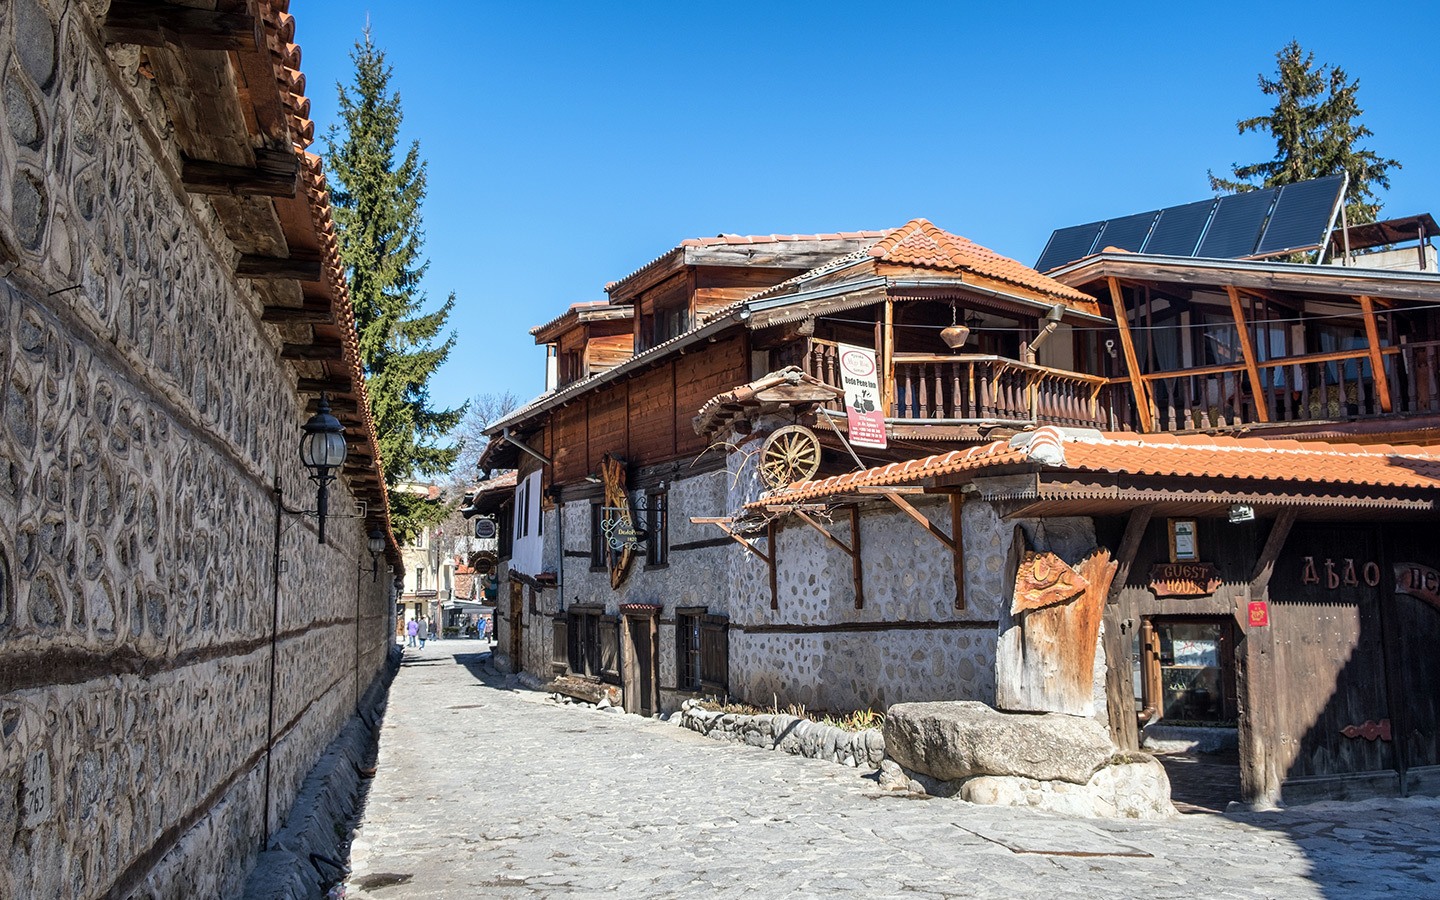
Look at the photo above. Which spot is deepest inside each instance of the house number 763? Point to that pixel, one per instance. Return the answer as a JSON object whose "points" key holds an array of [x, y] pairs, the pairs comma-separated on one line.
{"points": [[1336, 575]]}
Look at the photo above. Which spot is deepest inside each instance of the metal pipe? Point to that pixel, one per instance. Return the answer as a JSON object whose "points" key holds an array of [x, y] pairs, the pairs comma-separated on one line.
{"points": [[274, 640], [505, 435]]}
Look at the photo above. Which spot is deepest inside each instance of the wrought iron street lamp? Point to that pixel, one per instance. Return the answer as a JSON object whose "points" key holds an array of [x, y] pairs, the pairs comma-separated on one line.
{"points": [[322, 450], [377, 546]]}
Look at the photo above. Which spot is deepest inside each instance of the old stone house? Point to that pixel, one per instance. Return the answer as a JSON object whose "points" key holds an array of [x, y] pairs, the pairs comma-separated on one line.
{"points": [[176, 647], [610, 578]]}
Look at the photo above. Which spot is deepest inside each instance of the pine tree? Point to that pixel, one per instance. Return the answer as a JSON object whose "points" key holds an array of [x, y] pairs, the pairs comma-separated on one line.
{"points": [[377, 214], [1317, 133]]}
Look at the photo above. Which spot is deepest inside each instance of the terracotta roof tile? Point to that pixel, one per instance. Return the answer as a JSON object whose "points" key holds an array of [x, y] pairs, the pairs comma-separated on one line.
{"points": [[1187, 456], [920, 243]]}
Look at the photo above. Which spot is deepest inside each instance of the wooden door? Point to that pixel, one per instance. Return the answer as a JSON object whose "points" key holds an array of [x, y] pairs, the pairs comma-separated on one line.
{"points": [[517, 609], [1411, 618], [1329, 659], [641, 666]]}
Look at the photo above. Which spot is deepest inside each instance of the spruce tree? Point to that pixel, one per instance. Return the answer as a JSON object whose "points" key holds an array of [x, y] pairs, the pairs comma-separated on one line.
{"points": [[376, 202], [1315, 126]]}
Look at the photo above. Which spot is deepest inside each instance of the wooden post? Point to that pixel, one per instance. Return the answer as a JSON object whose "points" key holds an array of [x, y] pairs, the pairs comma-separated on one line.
{"points": [[1135, 525], [957, 505], [1377, 364], [770, 532], [1259, 725], [1132, 364], [1247, 350], [887, 357], [856, 569]]}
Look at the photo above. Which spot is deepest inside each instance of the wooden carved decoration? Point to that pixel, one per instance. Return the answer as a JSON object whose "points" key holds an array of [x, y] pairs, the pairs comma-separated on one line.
{"points": [[790, 454], [1370, 731], [1042, 580], [619, 519]]}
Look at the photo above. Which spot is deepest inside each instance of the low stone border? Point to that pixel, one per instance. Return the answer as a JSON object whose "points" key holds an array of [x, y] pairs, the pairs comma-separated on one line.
{"points": [[790, 734]]}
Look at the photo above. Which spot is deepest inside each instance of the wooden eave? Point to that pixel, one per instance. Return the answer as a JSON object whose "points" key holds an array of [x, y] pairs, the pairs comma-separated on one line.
{"points": [[1250, 275], [230, 81]]}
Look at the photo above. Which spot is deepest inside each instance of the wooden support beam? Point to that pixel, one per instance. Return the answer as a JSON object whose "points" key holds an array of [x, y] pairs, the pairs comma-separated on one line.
{"points": [[887, 360], [298, 315], [154, 24], [312, 351], [851, 550], [333, 385], [276, 174], [957, 532], [1132, 363], [887, 491], [904, 506], [1135, 525], [1247, 350], [298, 266], [337, 404], [772, 530], [1265, 565], [727, 525], [1377, 365]]}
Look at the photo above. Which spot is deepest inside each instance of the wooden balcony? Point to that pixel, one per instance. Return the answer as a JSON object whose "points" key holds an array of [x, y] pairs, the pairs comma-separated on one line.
{"points": [[1316, 388], [973, 389]]}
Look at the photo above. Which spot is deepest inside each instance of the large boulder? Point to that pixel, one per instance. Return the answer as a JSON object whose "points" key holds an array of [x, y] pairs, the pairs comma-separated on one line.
{"points": [[1132, 788], [951, 740]]}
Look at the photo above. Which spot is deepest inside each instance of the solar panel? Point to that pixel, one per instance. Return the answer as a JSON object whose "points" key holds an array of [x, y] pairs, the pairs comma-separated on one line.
{"points": [[1302, 215], [1069, 244], [1235, 228], [1128, 233], [1179, 229]]}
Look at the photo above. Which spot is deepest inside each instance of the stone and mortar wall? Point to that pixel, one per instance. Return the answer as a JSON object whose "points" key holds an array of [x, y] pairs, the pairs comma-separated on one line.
{"points": [[693, 578], [139, 441], [790, 734], [908, 580]]}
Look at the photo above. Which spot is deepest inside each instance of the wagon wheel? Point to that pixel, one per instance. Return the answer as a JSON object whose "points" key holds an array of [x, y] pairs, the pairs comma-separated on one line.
{"points": [[790, 454]]}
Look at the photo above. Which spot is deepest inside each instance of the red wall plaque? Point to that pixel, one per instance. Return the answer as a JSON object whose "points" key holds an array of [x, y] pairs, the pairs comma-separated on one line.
{"points": [[1259, 614]]}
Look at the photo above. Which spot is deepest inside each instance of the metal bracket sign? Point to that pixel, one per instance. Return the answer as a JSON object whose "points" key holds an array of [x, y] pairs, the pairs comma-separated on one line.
{"points": [[621, 532], [487, 535]]}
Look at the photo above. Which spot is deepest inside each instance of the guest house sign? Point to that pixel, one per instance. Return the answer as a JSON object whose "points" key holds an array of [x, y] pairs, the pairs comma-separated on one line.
{"points": [[1184, 579], [1418, 581]]}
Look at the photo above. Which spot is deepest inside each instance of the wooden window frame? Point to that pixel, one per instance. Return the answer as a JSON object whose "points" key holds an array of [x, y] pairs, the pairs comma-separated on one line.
{"points": [[657, 529], [688, 670]]}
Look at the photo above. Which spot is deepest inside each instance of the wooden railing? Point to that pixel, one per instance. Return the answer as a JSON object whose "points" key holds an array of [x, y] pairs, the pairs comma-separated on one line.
{"points": [[1314, 388], [972, 388]]}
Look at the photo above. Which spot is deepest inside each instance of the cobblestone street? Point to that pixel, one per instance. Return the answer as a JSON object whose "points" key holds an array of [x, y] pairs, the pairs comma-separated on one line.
{"points": [[487, 789]]}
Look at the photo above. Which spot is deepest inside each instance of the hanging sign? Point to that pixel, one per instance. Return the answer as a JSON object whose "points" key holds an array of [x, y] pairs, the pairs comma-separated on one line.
{"points": [[618, 520], [1184, 579], [864, 411]]}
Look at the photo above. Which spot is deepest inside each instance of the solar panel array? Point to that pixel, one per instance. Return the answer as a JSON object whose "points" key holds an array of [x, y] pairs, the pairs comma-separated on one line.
{"points": [[1269, 222]]}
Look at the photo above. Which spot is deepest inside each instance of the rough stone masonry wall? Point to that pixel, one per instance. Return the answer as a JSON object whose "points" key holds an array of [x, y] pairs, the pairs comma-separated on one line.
{"points": [[818, 650], [140, 435], [693, 578]]}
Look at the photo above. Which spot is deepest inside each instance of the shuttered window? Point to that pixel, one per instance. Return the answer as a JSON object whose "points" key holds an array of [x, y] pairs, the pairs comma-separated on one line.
{"points": [[715, 653]]}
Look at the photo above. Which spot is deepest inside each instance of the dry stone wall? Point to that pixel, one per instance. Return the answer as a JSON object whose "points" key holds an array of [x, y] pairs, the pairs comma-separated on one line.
{"points": [[141, 432]]}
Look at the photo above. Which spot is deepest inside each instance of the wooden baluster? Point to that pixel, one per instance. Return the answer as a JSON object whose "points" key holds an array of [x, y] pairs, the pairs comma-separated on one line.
{"points": [[1338, 409], [957, 396], [1392, 375], [1362, 395], [938, 373], [1432, 397], [984, 411]]}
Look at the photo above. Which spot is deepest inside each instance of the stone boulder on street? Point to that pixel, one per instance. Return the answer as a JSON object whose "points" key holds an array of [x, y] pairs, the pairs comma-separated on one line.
{"points": [[952, 740], [1135, 788]]}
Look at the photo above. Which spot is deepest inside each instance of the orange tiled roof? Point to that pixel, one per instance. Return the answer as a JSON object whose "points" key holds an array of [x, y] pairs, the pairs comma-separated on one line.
{"points": [[920, 243], [1187, 456]]}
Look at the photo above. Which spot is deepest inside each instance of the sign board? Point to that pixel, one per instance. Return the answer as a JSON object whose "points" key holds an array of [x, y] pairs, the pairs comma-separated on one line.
{"points": [[487, 535], [1259, 614], [617, 520], [1418, 581], [864, 409], [1184, 579]]}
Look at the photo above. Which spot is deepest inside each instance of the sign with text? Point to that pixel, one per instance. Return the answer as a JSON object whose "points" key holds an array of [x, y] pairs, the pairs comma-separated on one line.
{"points": [[1184, 579], [1259, 614], [864, 411], [1418, 581]]}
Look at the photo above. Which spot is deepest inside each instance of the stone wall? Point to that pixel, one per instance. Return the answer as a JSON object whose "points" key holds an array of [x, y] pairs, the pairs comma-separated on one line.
{"points": [[140, 440], [907, 643]]}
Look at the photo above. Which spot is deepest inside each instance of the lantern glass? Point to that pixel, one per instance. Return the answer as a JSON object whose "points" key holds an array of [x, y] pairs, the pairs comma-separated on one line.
{"points": [[322, 450], [377, 541]]}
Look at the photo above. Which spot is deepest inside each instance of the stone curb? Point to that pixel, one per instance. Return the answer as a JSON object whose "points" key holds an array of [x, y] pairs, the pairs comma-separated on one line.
{"points": [[301, 859], [791, 734]]}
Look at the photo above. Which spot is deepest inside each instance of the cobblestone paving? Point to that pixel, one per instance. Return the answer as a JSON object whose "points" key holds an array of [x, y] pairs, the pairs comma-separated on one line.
{"points": [[486, 789]]}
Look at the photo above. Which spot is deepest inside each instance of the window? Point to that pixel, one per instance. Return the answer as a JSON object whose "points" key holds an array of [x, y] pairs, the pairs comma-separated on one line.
{"points": [[419, 578], [702, 651], [592, 643], [598, 556], [657, 528]]}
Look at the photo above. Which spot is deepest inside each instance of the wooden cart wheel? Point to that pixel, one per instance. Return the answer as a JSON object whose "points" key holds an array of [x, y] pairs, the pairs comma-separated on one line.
{"points": [[790, 454]]}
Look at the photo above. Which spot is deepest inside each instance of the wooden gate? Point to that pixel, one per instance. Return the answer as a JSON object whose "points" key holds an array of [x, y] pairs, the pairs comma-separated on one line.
{"points": [[517, 611], [1332, 697], [641, 660]]}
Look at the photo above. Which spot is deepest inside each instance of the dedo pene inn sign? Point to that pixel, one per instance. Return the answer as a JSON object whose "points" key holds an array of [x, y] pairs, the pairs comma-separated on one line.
{"points": [[864, 411]]}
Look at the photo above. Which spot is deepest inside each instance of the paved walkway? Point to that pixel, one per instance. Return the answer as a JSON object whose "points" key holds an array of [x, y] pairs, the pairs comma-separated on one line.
{"points": [[488, 790]]}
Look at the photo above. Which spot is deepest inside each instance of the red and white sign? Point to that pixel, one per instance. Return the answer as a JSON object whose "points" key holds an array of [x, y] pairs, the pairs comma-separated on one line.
{"points": [[1259, 614], [864, 411]]}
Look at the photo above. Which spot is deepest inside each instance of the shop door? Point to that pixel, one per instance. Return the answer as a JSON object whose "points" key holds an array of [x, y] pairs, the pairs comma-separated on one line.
{"points": [[641, 675], [1410, 615], [517, 609], [1329, 659], [1189, 666]]}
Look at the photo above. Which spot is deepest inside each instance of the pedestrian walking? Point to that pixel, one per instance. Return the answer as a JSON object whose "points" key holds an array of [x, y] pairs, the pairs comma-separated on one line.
{"points": [[412, 628], [422, 632]]}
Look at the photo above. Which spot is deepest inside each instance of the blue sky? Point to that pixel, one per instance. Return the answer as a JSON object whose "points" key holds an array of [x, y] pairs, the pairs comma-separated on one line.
{"points": [[570, 143]]}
